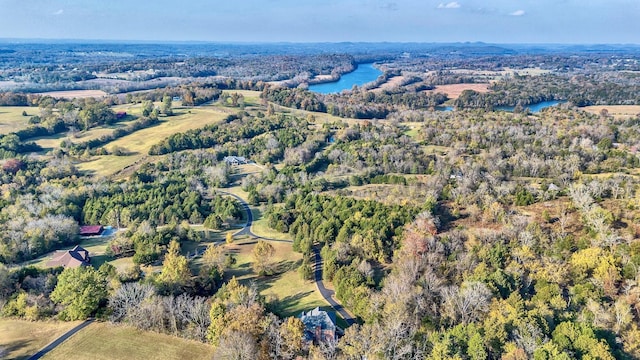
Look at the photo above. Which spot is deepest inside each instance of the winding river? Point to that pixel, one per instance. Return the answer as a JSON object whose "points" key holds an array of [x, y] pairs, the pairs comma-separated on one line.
{"points": [[363, 74]]}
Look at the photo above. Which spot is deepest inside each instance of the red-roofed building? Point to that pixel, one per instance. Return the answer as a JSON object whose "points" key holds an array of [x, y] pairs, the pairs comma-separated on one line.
{"points": [[90, 230], [70, 258]]}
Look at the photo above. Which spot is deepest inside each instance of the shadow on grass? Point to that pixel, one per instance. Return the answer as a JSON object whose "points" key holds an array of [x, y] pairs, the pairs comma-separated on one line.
{"points": [[14, 347], [288, 306], [98, 260]]}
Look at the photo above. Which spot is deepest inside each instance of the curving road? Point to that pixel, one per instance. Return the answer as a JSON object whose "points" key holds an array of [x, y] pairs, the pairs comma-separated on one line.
{"points": [[60, 340], [326, 293]]}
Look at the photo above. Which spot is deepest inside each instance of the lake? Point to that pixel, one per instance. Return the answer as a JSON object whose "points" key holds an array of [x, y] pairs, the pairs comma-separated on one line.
{"points": [[363, 74], [533, 107]]}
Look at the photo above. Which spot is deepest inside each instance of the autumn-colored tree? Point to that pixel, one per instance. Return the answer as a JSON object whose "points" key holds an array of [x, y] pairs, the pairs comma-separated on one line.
{"points": [[263, 258], [175, 268], [213, 258]]}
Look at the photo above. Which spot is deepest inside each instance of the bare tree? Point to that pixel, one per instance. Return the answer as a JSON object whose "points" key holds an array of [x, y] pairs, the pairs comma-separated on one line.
{"points": [[236, 345]]}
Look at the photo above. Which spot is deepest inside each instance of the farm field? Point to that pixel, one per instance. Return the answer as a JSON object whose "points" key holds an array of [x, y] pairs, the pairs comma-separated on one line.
{"points": [[19, 339], [11, 118], [106, 341], [453, 91], [617, 111]]}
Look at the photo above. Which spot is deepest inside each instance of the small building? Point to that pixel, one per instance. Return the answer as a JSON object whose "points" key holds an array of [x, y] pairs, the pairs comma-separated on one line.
{"points": [[91, 230], [235, 160], [319, 326], [70, 258], [121, 115]]}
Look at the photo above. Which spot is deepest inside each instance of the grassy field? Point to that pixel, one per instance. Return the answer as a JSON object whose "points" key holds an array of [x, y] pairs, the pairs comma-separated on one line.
{"points": [[11, 118], [106, 341], [617, 111], [19, 339], [139, 143], [261, 228], [453, 91], [251, 98], [286, 293], [51, 142]]}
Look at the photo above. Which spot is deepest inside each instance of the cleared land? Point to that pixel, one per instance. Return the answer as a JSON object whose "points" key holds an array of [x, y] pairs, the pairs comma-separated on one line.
{"points": [[286, 292], [106, 341], [70, 94], [11, 118], [139, 142], [453, 91], [19, 339], [392, 83], [617, 111]]}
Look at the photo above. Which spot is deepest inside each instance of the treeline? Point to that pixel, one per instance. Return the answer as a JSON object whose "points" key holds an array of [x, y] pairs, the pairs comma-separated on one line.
{"points": [[86, 147], [368, 228], [241, 135], [527, 90], [355, 236], [40, 212], [159, 198], [358, 105]]}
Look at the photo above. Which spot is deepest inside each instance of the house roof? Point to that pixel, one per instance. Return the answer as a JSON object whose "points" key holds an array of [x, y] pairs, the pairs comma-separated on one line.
{"points": [[90, 229], [317, 317], [70, 258], [231, 158]]}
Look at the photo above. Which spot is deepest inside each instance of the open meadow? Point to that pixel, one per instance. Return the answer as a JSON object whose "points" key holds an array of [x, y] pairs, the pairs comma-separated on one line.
{"points": [[617, 111], [19, 339], [11, 118], [113, 342], [139, 142]]}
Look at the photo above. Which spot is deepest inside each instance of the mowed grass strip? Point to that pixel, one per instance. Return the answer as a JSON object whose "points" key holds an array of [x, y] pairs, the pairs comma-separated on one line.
{"points": [[113, 342], [139, 142], [11, 119], [19, 339]]}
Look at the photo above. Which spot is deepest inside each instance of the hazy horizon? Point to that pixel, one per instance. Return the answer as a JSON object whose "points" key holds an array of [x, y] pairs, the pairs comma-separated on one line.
{"points": [[287, 21]]}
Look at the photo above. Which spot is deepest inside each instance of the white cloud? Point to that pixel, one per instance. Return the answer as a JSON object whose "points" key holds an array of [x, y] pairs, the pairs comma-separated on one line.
{"points": [[451, 5], [518, 13], [59, 12]]}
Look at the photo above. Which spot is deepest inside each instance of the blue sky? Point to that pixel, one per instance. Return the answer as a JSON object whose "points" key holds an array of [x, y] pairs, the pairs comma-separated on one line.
{"points": [[498, 21]]}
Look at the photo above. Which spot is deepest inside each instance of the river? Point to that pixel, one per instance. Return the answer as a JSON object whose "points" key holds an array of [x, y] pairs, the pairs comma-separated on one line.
{"points": [[363, 74]]}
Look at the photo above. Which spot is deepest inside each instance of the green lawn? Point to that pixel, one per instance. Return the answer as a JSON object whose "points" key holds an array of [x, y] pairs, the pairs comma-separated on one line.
{"points": [[286, 293], [19, 339], [251, 98], [106, 341], [11, 118], [260, 226]]}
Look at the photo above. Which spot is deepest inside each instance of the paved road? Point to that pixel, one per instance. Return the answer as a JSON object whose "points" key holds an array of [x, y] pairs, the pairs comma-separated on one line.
{"points": [[326, 293], [60, 340]]}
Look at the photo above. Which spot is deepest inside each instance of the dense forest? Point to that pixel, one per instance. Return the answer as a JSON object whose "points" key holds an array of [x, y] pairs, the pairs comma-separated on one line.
{"points": [[462, 234]]}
